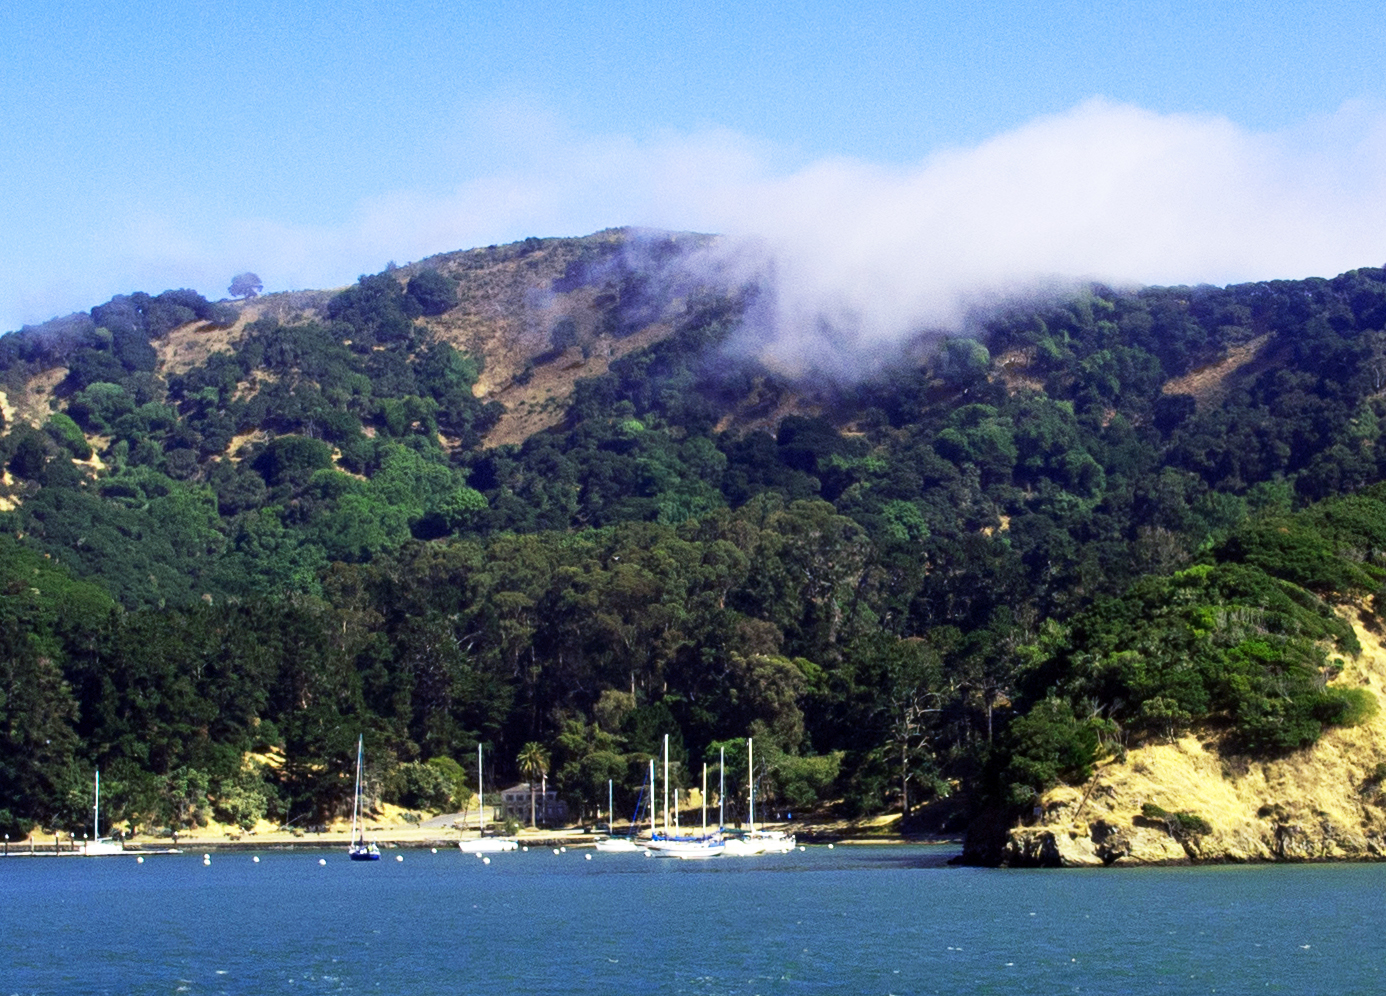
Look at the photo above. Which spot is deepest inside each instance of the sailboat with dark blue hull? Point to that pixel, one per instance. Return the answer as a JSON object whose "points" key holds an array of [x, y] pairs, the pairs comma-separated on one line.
{"points": [[360, 850]]}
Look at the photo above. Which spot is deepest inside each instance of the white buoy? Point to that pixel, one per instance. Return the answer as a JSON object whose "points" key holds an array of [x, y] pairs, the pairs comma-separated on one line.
{"points": [[434, 850], [802, 847], [485, 861], [322, 861], [139, 861], [525, 848], [564, 850], [256, 859], [206, 862], [830, 847], [647, 854], [399, 857], [588, 857], [555, 850], [206, 857]]}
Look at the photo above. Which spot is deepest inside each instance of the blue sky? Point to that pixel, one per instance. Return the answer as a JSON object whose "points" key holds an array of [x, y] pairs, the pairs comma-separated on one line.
{"points": [[163, 145]]}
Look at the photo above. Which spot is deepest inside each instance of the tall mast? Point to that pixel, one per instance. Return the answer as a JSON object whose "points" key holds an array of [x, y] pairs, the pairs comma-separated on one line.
{"points": [[610, 806], [96, 810], [722, 792], [480, 796], [652, 812], [666, 784], [704, 800], [356, 800], [751, 774]]}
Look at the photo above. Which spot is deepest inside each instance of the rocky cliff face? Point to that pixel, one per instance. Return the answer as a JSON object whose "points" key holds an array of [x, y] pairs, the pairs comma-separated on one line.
{"points": [[1186, 801]]}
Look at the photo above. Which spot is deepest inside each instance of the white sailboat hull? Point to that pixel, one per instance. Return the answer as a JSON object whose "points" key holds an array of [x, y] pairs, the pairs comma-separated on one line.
{"points": [[487, 845], [688, 850], [775, 841], [761, 842], [740, 847], [616, 845], [102, 848]]}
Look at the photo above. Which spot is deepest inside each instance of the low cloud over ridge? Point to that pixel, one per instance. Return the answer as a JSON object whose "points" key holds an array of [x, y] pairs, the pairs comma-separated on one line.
{"points": [[865, 256], [862, 255]]}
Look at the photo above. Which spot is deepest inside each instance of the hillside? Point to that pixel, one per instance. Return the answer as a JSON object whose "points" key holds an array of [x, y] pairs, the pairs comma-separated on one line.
{"points": [[537, 315], [1321, 803], [545, 496]]}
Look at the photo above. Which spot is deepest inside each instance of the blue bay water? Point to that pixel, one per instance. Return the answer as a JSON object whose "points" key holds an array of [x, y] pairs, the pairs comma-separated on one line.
{"points": [[869, 920]]}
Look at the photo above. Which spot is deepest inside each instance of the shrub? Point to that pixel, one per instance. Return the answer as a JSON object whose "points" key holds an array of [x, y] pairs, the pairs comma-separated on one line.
{"points": [[1270, 726], [17, 827], [1347, 706], [1189, 824], [1181, 824]]}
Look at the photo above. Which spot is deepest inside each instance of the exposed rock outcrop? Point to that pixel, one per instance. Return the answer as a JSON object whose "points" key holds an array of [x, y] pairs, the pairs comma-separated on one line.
{"points": [[1194, 801]]}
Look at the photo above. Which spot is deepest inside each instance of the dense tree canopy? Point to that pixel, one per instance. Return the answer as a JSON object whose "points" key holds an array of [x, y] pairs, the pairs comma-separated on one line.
{"points": [[971, 576]]}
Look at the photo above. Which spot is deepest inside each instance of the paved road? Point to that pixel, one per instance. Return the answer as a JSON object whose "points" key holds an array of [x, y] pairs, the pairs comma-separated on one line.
{"points": [[446, 820]]}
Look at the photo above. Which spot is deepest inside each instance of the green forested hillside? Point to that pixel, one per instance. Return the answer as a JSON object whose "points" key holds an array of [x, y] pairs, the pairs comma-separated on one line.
{"points": [[1097, 520]]}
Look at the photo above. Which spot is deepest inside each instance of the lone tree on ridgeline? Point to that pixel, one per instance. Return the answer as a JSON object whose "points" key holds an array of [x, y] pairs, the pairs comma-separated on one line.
{"points": [[534, 762], [245, 285]]}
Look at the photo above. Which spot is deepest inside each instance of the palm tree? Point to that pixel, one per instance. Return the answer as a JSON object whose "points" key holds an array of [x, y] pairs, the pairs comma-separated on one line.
{"points": [[534, 763]]}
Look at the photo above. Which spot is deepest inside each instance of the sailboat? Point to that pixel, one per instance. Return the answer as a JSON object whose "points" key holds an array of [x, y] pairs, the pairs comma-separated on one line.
{"points": [[745, 845], [757, 841], [360, 849], [611, 842], [669, 845], [97, 847], [483, 844], [766, 841]]}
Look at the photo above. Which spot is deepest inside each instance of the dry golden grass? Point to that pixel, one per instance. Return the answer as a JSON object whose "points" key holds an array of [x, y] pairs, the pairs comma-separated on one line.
{"points": [[1320, 802], [543, 401], [1209, 384], [189, 345], [36, 401]]}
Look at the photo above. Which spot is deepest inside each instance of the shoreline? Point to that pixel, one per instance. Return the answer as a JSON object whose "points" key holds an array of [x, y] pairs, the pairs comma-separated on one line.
{"points": [[443, 830], [418, 838]]}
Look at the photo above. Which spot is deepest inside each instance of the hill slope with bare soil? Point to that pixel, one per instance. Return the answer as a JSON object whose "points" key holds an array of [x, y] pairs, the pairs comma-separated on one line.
{"points": [[1194, 800]]}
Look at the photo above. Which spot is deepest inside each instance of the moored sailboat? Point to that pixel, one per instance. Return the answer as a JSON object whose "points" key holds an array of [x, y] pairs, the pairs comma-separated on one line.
{"points": [[98, 847], [483, 844], [360, 849], [612, 843], [668, 845], [757, 841]]}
